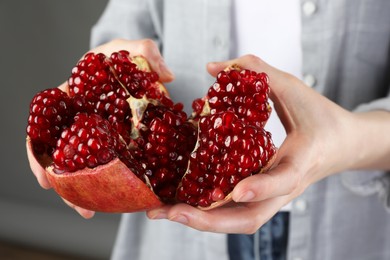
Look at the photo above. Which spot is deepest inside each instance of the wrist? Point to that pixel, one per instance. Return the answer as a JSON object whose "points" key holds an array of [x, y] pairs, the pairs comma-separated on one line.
{"points": [[370, 143]]}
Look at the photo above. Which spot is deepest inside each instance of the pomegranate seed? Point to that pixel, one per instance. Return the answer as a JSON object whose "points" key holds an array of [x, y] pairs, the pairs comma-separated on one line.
{"points": [[94, 125], [216, 195], [49, 111], [212, 164], [244, 92], [73, 153], [169, 142]]}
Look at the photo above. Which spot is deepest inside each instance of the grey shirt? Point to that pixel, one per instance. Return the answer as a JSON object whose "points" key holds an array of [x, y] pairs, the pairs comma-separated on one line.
{"points": [[346, 46]]}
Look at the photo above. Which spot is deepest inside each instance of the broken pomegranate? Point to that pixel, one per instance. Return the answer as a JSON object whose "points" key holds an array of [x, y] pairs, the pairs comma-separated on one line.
{"points": [[114, 141]]}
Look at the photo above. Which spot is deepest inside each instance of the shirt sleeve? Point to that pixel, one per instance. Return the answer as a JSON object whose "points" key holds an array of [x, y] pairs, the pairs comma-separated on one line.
{"points": [[376, 182], [128, 19]]}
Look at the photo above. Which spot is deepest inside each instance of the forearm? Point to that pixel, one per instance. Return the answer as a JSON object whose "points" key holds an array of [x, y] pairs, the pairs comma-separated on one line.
{"points": [[371, 146]]}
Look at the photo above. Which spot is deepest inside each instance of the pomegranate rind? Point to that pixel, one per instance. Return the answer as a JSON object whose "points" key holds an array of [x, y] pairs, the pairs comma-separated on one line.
{"points": [[112, 187], [228, 197], [143, 65]]}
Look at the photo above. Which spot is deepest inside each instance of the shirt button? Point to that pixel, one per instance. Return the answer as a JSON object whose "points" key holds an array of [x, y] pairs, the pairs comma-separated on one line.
{"points": [[300, 205], [309, 8], [309, 80]]}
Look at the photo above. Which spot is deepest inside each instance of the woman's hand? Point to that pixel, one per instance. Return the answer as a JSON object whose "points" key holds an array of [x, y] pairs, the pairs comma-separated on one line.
{"points": [[146, 48], [322, 139]]}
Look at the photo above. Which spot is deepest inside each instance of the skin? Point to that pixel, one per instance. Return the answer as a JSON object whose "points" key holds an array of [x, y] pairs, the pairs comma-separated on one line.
{"points": [[322, 139]]}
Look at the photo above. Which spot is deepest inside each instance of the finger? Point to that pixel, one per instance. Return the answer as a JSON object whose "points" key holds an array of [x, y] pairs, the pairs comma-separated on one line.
{"points": [[41, 178], [150, 51], [280, 83], [147, 48], [64, 87], [279, 80], [215, 67], [85, 213], [36, 167], [239, 218], [284, 179], [250, 62]]}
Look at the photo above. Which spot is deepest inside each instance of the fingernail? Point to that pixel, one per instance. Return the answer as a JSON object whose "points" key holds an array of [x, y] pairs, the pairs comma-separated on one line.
{"points": [[180, 219], [248, 196], [87, 214], [160, 214], [164, 68]]}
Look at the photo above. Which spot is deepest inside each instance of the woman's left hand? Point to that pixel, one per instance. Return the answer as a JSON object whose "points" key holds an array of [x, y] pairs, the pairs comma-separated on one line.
{"points": [[322, 139]]}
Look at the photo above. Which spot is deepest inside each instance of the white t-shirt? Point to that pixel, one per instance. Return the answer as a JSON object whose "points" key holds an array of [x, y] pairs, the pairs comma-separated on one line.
{"points": [[259, 28]]}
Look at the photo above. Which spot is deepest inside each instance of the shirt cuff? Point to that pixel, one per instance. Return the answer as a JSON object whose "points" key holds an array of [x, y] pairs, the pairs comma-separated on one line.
{"points": [[366, 183]]}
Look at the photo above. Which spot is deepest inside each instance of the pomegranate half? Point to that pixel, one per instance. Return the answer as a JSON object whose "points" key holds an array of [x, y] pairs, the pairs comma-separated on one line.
{"points": [[113, 140]]}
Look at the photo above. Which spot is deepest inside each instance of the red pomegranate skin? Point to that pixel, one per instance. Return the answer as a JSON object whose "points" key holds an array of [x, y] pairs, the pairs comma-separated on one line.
{"points": [[111, 187]]}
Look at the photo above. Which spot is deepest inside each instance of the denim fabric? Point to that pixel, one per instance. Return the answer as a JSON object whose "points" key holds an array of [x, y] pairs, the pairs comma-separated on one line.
{"points": [[268, 243]]}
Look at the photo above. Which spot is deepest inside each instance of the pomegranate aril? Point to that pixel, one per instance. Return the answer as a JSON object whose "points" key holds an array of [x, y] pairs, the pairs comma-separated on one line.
{"points": [[197, 106], [92, 70], [98, 145], [167, 192], [164, 147], [95, 89], [223, 78], [244, 93], [91, 161], [50, 110], [216, 195], [105, 155], [215, 167], [137, 82], [157, 144], [206, 199]]}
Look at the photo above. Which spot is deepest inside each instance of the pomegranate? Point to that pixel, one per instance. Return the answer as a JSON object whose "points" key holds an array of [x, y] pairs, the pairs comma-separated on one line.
{"points": [[114, 141]]}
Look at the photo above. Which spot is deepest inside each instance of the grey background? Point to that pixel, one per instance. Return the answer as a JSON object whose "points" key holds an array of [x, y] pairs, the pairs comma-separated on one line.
{"points": [[40, 42]]}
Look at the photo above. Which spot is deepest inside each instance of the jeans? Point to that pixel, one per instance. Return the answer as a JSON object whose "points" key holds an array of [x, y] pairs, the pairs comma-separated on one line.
{"points": [[268, 243]]}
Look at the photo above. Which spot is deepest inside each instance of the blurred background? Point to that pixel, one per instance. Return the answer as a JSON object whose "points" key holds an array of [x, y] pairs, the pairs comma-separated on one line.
{"points": [[40, 42]]}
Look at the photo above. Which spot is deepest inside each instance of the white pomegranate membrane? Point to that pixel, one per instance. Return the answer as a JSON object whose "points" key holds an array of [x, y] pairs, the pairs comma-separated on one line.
{"points": [[116, 112]]}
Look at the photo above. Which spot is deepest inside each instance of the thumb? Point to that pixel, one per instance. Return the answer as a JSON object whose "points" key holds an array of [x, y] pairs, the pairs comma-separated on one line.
{"points": [[149, 49], [146, 48], [249, 61], [164, 72], [215, 67]]}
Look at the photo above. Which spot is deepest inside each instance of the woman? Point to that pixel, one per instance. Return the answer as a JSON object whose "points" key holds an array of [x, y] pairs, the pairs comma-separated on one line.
{"points": [[332, 167]]}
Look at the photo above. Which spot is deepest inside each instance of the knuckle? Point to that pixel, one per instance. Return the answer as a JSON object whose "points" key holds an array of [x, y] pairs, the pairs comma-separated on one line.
{"points": [[298, 182], [251, 228], [118, 40], [205, 226], [295, 180], [149, 49], [261, 186], [148, 44], [251, 58]]}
